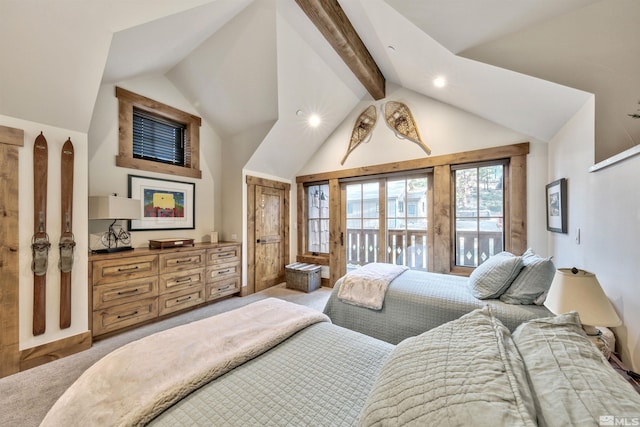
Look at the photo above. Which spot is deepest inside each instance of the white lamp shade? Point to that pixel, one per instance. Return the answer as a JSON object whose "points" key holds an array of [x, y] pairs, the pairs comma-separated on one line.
{"points": [[113, 207], [581, 292]]}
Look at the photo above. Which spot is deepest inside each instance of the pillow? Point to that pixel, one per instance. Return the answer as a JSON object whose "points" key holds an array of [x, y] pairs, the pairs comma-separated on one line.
{"points": [[572, 383], [533, 282], [491, 278], [464, 372]]}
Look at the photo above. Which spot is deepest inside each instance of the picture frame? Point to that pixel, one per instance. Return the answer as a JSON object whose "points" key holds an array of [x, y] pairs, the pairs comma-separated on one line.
{"points": [[556, 195], [164, 204]]}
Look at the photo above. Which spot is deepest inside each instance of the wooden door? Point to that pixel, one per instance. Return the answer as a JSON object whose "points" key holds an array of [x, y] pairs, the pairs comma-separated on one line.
{"points": [[267, 232], [269, 266]]}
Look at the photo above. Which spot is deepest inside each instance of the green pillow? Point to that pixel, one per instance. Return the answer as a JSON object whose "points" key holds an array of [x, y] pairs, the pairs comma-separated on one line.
{"points": [[466, 372], [533, 281], [491, 278]]}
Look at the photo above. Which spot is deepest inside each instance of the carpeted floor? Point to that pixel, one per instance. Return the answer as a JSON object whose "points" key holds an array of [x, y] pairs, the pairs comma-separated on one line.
{"points": [[26, 397]]}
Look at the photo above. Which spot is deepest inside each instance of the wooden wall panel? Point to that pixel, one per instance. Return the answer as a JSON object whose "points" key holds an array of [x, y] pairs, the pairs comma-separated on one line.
{"points": [[10, 141]]}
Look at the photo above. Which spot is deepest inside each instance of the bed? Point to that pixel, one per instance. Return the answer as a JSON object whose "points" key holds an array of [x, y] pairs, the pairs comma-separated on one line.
{"points": [[391, 302], [417, 301], [470, 371]]}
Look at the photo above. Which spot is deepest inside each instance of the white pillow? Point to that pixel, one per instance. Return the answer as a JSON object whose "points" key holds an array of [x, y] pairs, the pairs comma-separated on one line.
{"points": [[491, 278]]}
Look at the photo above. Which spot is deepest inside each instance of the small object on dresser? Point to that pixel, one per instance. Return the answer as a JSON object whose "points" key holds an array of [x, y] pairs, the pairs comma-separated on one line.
{"points": [[302, 276], [169, 243]]}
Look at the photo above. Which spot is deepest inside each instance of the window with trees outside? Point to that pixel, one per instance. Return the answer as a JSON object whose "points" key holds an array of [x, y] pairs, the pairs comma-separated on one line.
{"points": [[479, 213], [445, 214]]}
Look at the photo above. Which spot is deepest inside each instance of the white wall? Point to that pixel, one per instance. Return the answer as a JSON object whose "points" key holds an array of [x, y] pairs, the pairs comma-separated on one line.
{"points": [[106, 178], [445, 129], [55, 139], [606, 208]]}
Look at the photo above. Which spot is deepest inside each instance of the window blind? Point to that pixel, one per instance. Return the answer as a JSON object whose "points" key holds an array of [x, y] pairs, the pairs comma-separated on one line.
{"points": [[158, 139]]}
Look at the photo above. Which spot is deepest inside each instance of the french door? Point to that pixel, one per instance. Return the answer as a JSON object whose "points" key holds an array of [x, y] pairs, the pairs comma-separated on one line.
{"points": [[386, 220]]}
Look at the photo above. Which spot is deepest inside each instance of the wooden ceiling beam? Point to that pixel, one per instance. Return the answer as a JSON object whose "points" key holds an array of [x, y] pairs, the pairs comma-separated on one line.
{"points": [[333, 23]]}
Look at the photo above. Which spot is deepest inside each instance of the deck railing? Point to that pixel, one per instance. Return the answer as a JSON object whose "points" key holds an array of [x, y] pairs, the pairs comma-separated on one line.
{"points": [[409, 247]]}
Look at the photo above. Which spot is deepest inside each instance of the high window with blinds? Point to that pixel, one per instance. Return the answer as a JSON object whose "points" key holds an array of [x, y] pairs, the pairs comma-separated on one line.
{"points": [[158, 139]]}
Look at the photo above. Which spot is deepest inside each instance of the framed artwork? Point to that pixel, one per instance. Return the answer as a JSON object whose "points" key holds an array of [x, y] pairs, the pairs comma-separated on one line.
{"points": [[164, 204], [557, 206]]}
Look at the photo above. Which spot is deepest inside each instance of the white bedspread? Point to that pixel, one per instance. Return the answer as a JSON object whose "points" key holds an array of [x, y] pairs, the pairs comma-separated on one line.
{"points": [[367, 285], [136, 382]]}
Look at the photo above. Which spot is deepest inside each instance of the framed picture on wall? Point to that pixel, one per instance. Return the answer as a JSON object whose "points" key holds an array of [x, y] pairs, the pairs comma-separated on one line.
{"points": [[557, 206], [164, 204]]}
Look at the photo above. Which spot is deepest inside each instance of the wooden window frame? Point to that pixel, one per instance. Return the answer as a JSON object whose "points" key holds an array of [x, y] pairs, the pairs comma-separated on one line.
{"points": [[515, 221], [126, 101], [466, 270]]}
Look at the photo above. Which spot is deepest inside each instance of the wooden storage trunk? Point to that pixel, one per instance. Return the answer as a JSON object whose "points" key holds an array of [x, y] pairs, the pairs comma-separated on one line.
{"points": [[302, 276]]}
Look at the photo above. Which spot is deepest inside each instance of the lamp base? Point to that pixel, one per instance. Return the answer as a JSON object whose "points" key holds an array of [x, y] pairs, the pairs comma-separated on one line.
{"points": [[111, 250], [591, 330]]}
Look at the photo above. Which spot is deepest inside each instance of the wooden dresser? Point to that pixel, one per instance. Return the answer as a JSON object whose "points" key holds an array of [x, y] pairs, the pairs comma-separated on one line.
{"points": [[139, 286]]}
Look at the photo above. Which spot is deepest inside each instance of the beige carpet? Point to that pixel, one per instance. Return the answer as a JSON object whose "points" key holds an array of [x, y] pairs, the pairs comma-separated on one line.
{"points": [[26, 397]]}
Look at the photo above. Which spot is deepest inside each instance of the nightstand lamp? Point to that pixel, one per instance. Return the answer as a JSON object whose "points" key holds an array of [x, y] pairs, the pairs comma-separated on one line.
{"points": [[114, 208], [579, 290]]}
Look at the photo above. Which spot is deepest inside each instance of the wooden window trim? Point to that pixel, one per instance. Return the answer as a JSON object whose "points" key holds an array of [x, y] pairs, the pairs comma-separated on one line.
{"points": [[126, 101], [304, 255], [442, 227]]}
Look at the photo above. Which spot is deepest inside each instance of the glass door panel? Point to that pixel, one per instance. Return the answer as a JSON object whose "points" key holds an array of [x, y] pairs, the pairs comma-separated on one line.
{"points": [[407, 212], [362, 240]]}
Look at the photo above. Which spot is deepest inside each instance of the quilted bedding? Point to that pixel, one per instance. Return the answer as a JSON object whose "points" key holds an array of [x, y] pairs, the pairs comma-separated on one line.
{"points": [[469, 371], [320, 376], [418, 301]]}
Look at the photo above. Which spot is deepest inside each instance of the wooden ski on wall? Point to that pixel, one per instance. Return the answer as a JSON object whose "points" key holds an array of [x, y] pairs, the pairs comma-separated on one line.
{"points": [[40, 241], [67, 240]]}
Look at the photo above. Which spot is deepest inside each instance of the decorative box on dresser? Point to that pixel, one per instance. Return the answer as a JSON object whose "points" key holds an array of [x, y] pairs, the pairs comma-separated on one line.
{"points": [[130, 288]]}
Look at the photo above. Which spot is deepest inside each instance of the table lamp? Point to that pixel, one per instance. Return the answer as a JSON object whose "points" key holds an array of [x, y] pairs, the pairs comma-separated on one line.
{"points": [[579, 290], [114, 208]]}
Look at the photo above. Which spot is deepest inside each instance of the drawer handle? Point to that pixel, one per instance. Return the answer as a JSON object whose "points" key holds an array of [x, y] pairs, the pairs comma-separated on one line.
{"points": [[185, 280], [227, 255], [132, 291], [184, 260], [135, 267], [127, 315], [183, 299], [224, 271], [224, 289]]}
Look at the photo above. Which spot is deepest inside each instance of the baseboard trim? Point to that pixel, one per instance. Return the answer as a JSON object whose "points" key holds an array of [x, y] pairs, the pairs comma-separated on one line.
{"points": [[45, 353]]}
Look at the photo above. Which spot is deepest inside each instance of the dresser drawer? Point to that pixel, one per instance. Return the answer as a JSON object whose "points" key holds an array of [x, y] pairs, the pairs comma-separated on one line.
{"points": [[116, 270], [175, 301], [223, 254], [107, 295], [223, 288], [180, 261], [171, 282], [222, 271], [121, 316]]}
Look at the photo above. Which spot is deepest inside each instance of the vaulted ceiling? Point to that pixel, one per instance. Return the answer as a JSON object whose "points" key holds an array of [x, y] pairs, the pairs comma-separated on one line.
{"points": [[527, 65]]}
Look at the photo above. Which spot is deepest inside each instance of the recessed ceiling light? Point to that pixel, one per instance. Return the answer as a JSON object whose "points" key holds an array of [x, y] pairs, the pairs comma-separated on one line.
{"points": [[439, 82], [314, 120]]}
